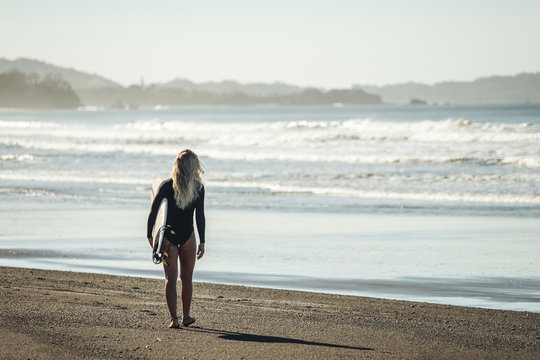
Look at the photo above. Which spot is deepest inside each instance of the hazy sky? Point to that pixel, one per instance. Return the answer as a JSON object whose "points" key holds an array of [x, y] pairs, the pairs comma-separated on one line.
{"points": [[333, 43]]}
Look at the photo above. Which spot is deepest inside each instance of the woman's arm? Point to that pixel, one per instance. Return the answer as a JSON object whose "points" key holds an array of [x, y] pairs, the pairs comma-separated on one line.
{"points": [[201, 223]]}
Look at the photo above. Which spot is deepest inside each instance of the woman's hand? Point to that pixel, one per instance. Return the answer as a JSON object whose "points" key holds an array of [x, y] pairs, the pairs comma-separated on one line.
{"points": [[200, 251]]}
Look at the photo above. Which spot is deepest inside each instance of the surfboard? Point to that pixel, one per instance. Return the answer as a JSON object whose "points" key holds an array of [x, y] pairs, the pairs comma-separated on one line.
{"points": [[158, 231]]}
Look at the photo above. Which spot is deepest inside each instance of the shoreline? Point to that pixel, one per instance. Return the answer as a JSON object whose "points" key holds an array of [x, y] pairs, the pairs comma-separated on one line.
{"points": [[497, 293], [83, 315]]}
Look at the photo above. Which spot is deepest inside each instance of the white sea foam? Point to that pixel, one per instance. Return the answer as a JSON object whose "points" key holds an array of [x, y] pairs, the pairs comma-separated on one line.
{"points": [[360, 141], [271, 133], [336, 157], [33, 192], [7, 124], [91, 108], [16, 157], [227, 184], [60, 177], [529, 199], [450, 130]]}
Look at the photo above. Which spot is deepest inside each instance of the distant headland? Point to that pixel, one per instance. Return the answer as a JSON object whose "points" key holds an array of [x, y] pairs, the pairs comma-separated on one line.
{"points": [[28, 83], [30, 91]]}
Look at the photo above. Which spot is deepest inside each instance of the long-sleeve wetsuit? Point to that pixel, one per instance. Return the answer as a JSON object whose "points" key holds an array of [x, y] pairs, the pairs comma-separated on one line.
{"points": [[180, 220]]}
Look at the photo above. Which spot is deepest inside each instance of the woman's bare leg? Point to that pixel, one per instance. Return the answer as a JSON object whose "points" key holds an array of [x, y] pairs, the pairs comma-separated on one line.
{"points": [[171, 274], [188, 252]]}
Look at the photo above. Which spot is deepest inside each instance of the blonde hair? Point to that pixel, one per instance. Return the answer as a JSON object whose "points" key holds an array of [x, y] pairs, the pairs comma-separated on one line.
{"points": [[186, 176]]}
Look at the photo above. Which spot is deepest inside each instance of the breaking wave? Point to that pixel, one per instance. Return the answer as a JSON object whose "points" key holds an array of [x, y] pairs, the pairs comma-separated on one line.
{"points": [[348, 141], [102, 156]]}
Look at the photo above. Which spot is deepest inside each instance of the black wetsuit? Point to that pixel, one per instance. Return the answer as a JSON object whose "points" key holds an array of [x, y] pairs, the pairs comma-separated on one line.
{"points": [[181, 221]]}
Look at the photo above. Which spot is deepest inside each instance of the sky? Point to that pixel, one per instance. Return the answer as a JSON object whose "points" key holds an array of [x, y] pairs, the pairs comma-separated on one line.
{"points": [[329, 44]]}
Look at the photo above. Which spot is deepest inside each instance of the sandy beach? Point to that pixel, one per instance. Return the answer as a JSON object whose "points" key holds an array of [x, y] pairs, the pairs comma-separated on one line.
{"points": [[67, 315]]}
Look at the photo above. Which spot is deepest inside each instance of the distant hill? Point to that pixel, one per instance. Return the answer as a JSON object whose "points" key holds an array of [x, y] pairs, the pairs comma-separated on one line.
{"points": [[95, 90], [231, 86], [77, 79], [136, 97], [521, 88], [19, 90]]}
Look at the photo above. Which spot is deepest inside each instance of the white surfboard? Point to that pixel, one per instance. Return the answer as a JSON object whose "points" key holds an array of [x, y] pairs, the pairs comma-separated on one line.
{"points": [[158, 231]]}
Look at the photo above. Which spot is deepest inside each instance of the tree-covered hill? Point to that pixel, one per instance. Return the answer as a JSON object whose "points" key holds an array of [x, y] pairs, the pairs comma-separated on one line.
{"points": [[18, 90]]}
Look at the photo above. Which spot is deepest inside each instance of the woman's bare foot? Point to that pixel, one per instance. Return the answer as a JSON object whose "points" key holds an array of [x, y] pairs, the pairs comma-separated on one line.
{"points": [[174, 323], [188, 320]]}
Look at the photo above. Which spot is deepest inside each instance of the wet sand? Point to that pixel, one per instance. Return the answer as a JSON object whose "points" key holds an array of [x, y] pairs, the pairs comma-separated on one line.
{"points": [[66, 315]]}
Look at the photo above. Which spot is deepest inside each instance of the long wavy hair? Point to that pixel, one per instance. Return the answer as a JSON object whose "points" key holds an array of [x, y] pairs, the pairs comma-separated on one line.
{"points": [[186, 175]]}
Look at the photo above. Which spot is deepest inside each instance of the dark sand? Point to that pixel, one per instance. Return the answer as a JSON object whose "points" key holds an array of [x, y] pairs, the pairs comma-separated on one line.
{"points": [[65, 315]]}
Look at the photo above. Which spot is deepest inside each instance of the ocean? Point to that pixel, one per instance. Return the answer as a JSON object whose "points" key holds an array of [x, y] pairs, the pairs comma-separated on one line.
{"points": [[424, 203]]}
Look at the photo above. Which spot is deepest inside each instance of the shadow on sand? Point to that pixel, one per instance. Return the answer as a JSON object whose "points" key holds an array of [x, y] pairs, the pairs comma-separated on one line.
{"points": [[238, 336]]}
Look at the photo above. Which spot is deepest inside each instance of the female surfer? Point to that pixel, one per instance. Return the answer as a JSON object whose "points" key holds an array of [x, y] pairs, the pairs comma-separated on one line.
{"points": [[185, 195]]}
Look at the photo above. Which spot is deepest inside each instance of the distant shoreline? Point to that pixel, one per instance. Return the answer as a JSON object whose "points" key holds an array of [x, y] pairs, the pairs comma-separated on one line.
{"points": [[264, 106]]}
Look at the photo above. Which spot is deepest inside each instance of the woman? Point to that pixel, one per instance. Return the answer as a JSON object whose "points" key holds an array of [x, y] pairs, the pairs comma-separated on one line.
{"points": [[185, 194]]}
